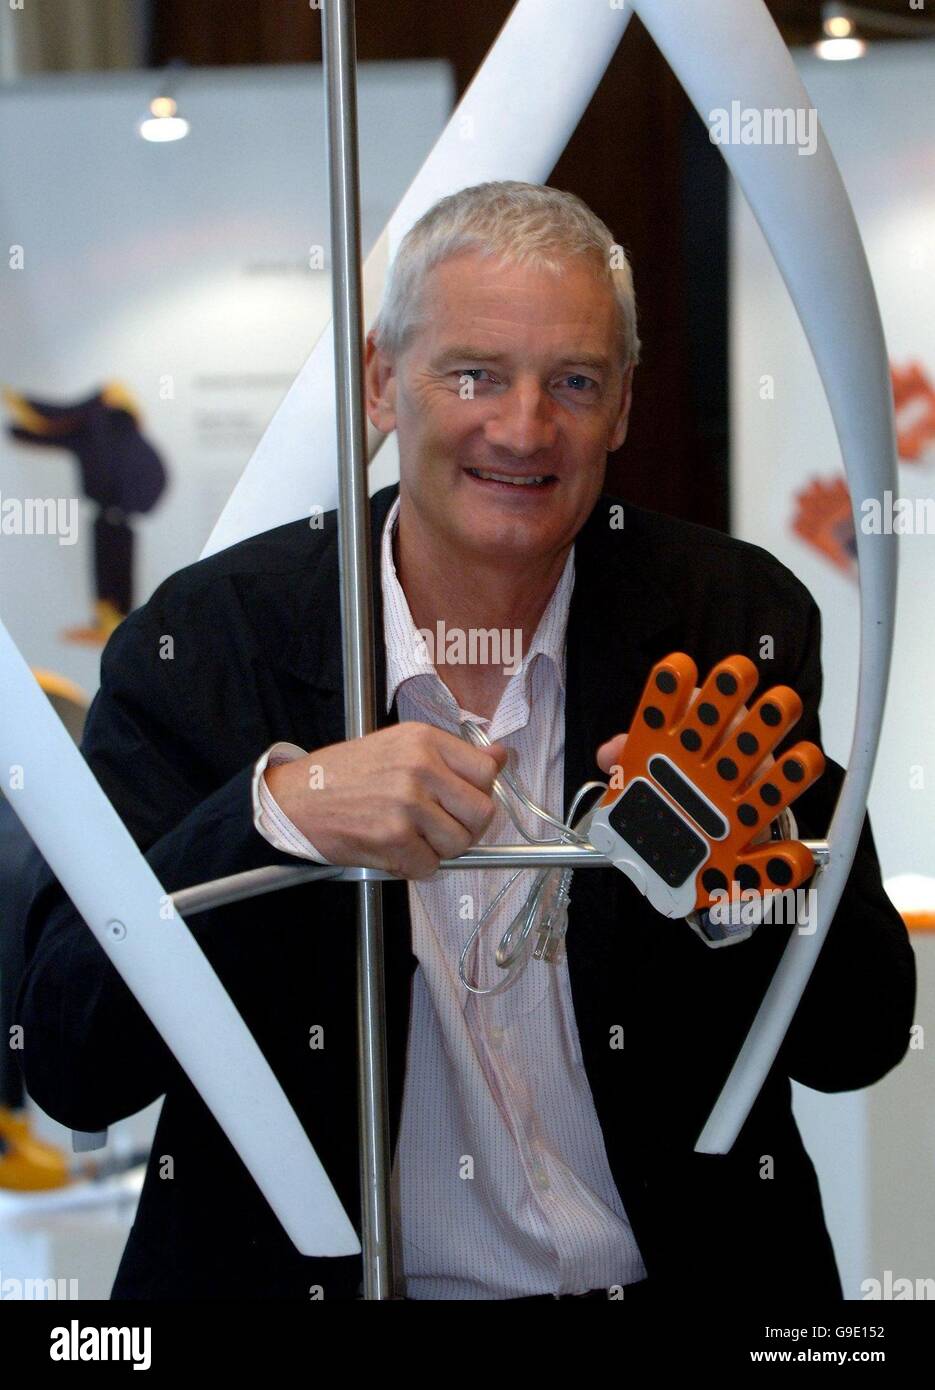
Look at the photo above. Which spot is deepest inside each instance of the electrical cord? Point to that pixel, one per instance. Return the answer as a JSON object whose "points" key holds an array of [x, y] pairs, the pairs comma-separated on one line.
{"points": [[514, 952]]}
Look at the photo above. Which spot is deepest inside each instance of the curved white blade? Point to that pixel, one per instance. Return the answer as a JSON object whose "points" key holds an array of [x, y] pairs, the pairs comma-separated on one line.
{"points": [[723, 52], [95, 859], [512, 123]]}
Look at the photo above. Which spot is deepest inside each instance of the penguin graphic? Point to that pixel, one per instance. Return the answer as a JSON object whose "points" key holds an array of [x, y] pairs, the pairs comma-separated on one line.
{"points": [[120, 472]]}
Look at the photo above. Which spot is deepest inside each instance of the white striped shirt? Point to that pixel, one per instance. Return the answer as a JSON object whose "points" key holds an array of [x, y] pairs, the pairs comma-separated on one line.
{"points": [[501, 1175]]}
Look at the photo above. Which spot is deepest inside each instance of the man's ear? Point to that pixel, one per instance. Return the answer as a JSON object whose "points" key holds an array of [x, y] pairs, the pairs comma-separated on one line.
{"points": [[379, 386], [622, 422]]}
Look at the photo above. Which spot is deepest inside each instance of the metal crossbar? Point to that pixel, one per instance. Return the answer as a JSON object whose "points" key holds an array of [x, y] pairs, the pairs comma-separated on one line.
{"points": [[217, 892]]}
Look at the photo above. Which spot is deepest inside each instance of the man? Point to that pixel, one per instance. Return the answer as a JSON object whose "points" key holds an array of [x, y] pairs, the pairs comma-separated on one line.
{"points": [[534, 1155]]}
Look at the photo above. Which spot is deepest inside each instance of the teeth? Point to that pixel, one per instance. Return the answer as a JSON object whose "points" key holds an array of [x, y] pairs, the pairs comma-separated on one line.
{"points": [[504, 478]]}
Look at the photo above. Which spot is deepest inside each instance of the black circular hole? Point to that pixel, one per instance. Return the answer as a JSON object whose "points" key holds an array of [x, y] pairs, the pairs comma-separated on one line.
{"points": [[747, 876], [707, 713], [770, 794], [712, 880], [690, 739], [770, 713], [654, 716], [747, 743], [793, 770], [726, 683], [778, 871], [666, 682], [727, 769], [747, 814]]}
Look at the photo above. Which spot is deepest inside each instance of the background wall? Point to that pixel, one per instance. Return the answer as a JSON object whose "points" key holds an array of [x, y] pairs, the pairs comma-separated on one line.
{"points": [[182, 270]]}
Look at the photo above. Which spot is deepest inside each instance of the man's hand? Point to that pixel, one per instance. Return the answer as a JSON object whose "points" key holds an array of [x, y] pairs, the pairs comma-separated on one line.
{"points": [[401, 799]]}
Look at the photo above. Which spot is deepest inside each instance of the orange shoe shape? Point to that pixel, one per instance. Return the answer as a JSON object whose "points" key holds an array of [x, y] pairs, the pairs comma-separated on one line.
{"points": [[26, 1163]]}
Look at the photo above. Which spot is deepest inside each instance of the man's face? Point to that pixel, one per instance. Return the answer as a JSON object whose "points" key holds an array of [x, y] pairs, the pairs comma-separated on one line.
{"points": [[516, 372]]}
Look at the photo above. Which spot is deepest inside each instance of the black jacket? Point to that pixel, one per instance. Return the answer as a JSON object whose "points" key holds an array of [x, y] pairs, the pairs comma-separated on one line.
{"points": [[256, 656]]}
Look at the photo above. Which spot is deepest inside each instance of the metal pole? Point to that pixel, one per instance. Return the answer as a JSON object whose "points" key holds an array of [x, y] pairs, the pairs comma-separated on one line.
{"points": [[340, 66]]}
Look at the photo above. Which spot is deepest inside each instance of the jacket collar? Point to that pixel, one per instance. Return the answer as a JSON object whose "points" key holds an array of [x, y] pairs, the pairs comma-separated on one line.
{"points": [[316, 653], [618, 617]]}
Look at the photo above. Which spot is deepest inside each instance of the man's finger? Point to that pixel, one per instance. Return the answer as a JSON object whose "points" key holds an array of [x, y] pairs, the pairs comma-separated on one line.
{"points": [[611, 752], [473, 764]]}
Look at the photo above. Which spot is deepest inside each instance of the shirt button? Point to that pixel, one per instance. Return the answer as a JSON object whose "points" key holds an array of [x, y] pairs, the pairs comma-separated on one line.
{"points": [[541, 1179]]}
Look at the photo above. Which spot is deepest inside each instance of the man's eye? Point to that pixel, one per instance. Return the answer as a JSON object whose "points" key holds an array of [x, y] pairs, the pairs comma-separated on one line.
{"points": [[580, 383], [474, 372]]}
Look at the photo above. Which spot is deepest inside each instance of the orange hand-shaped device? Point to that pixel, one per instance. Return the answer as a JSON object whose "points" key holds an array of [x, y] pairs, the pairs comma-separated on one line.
{"points": [[686, 804]]}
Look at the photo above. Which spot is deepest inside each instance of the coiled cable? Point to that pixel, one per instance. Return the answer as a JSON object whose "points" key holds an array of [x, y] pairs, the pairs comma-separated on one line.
{"points": [[514, 950]]}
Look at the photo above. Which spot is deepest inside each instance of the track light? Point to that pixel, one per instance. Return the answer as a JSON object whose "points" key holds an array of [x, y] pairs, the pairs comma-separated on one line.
{"points": [[162, 123], [838, 50], [840, 40], [839, 24], [836, 23]]}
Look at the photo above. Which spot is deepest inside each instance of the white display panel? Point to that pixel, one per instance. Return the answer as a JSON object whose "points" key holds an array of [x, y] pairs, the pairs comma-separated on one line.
{"points": [[181, 270]]}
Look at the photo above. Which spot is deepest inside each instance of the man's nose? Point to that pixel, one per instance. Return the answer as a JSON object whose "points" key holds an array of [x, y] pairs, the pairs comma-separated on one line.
{"points": [[522, 419]]}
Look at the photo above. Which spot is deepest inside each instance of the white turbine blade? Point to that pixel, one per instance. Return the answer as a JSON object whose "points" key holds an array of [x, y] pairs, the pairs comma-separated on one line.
{"points": [[723, 52], [512, 123], [95, 859]]}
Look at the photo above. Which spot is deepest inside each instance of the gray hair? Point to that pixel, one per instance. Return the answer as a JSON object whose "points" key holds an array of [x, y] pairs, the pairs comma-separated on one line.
{"points": [[522, 223]]}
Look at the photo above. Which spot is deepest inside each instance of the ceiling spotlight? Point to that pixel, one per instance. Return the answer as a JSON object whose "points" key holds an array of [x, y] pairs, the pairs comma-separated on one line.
{"points": [[835, 23], [162, 121], [840, 40], [839, 50]]}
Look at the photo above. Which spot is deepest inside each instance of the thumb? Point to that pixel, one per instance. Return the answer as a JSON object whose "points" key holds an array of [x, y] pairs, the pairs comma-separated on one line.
{"points": [[611, 752]]}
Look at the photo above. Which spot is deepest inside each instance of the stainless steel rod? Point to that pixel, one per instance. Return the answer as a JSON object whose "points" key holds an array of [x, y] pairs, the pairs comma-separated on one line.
{"points": [[216, 892], [340, 67]]}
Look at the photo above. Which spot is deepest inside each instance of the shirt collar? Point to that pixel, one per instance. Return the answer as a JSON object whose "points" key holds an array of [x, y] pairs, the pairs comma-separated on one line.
{"points": [[403, 660]]}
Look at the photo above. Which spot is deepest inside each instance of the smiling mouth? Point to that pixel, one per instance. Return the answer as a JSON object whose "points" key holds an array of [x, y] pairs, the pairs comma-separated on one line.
{"points": [[531, 481]]}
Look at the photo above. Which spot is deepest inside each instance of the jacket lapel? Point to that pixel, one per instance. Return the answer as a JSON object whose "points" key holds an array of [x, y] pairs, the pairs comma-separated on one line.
{"points": [[315, 654]]}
